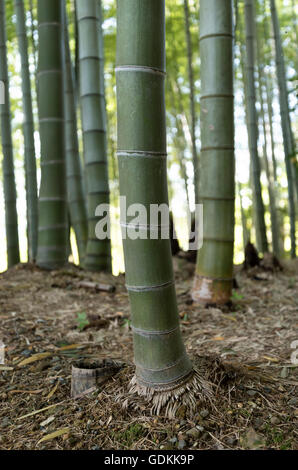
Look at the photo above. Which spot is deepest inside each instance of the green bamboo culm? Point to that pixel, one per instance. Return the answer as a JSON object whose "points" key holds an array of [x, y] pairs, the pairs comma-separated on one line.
{"points": [[214, 270], [252, 125], [245, 229], [271, 188], [28, 129], [92, 99], [160, 357], [75, 192], [192, 100], [11, 218], [288, 141], [53, 218]]}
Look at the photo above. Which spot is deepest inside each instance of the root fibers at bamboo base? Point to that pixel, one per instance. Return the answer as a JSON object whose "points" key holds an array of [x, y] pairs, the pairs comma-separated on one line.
{"points": [[243, 395]]}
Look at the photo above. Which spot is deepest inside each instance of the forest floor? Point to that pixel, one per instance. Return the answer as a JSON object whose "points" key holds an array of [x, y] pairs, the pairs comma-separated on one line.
{"points": [[246, 348]]}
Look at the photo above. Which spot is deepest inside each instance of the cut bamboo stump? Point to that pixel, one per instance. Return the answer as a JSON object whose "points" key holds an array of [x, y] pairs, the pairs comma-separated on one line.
{"points": [[87, 376]]}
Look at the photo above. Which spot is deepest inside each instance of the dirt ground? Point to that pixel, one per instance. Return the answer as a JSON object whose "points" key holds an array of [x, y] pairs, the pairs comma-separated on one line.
{"points": [[47, 322]]}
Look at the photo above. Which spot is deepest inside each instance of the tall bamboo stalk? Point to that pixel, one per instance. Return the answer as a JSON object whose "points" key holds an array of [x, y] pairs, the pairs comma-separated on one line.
{"points": [[11, 218], [252, 124], [28, 126], [92, 98], [280, 215], [214, 271], [269, 100], [75, 193], [53, 218], [161, 361], [294, 16], [241, 41], [192, 101], [288, 141], [245, 230], [180, 140], [271, 188], [34, 48]]}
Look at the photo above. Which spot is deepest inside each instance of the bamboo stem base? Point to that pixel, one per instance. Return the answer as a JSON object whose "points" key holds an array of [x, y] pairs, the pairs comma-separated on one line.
{"points": [[191, 390], [211, 291]]}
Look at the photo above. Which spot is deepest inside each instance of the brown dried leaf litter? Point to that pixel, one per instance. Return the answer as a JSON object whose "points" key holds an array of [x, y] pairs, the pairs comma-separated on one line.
{"points": [[243, 352]]}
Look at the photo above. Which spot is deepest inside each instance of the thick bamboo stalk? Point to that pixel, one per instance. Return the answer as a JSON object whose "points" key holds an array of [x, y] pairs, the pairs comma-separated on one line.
{"points": [[11, 218], [288, 141], [53, 217], [28, 129], [192, 101], [214, 271], [92, 98], [75, 193], [161, 361], [252, 124]]}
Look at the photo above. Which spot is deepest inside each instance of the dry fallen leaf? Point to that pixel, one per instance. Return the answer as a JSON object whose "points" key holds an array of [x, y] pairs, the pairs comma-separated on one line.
{"points": [[53, 435], [229, 317], [70, 346], [52, 391], [34, 358], [271, 359], [47, 421], [39, 411], [252, 440]]}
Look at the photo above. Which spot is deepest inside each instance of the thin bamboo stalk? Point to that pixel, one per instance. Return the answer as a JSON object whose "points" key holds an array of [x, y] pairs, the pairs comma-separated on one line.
{"points": [[241, 41], [288, 141], [252, 124], [34, 48], [53, 217], [214, 271], [75, 193], [192, 101], [245, 230], [11, 217], [280, 216], [271, 189], [92, 99], [161, 361], [28, 129], [269, 100], [270, 112], [180, 141]]}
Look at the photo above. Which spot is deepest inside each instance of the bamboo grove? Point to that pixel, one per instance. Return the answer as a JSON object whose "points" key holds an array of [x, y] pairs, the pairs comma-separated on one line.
{"points": [[186, 101]]}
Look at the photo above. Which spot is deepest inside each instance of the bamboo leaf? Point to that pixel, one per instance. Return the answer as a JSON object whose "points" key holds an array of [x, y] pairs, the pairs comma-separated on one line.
{"points": [[52, 391], [39, 411], [70, 346], [34, 358], [53, 435], [271, 359]]}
